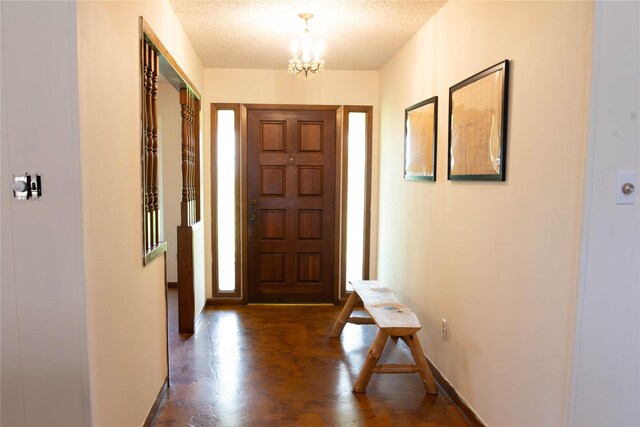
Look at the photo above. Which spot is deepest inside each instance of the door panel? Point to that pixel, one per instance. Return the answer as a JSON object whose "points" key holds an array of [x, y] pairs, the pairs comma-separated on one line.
{"points": [[272, 181], [291, 176]]}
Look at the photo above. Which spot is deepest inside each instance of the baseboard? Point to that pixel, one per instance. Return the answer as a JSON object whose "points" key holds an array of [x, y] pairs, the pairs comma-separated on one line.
{"points": [[153, 412], [224, 301], [455, 397], [172, 284]]}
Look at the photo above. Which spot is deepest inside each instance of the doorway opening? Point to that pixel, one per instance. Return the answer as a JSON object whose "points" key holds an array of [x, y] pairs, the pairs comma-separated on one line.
{"points": [[170, 177], [169, 173]]}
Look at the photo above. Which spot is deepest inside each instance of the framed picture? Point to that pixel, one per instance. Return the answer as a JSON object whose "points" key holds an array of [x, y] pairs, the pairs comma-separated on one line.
{"points": [[420, 131], [478, 126]]}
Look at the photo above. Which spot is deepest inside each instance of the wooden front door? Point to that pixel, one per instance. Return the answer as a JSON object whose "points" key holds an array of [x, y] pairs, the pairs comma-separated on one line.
{"points": [[290, 213]]}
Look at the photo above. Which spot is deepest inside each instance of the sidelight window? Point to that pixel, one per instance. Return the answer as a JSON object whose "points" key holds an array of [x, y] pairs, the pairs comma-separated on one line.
{"points": [[358, 184], [225, 173], [356, 187], [226, 194]]}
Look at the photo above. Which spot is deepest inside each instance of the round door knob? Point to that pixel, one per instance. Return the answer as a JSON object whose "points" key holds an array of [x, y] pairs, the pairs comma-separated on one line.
{"points": [[252, 202], [628, 188], [19, 186], [253, 218]]}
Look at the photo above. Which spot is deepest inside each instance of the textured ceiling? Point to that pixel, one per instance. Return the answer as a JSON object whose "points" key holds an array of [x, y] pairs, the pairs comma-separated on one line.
{"points": [[357, 34]]}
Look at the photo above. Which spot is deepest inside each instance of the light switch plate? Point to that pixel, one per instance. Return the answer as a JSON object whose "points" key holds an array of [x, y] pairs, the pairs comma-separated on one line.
{"points": [[624, 178]]}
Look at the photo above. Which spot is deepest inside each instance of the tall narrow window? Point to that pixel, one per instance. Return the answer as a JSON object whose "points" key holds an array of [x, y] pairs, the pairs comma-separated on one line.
{"points": [[358, 185], [226, 200]]}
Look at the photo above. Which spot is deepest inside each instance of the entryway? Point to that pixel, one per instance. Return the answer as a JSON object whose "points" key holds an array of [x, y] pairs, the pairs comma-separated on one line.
{"points": [[281, 177]]}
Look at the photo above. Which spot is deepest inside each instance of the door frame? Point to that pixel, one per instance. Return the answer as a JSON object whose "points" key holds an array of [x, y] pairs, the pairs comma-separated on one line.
{"points": [[240, 296], [343, 294], [235, 296], [242, 258]]}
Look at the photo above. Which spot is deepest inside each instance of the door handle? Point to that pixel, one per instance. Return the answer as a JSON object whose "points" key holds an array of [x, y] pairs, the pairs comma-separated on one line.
{"points": [[252, 202], [253, 217], [628, 188]]}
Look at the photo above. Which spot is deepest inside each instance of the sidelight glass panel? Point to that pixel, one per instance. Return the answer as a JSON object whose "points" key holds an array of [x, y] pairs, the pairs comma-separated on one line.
{"points": [[356, 187], [226, 225]]}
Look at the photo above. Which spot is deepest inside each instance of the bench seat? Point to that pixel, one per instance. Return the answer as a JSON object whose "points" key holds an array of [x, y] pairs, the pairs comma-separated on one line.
{"points": [[394, 320]]}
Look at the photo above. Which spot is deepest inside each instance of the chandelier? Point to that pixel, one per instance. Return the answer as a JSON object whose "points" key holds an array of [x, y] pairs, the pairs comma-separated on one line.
{"points": [[301, 62]]}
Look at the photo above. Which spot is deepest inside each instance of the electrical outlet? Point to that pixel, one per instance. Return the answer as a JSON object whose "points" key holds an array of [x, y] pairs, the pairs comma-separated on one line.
{"points": [[444, 329]]}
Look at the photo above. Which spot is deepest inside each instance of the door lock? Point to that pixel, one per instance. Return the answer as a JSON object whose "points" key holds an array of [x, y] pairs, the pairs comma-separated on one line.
{"points": [[252, 202], [27, 186], [253, 217]]}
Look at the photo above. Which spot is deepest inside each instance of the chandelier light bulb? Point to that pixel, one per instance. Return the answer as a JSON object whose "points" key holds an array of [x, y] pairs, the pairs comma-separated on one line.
{"points": [[306, 47], [318, 49]]}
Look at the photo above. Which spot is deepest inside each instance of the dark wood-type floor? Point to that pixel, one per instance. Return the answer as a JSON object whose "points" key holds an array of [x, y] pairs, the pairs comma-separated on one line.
{"points": [[276, 366]]}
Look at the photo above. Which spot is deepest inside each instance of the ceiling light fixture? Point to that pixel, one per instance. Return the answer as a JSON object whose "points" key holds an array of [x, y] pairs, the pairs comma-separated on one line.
{"points": [[301, 62]]}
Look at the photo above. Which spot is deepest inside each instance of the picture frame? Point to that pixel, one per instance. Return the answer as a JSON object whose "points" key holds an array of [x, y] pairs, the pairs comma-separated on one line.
{"points": [[420, 140], [478, 126]]}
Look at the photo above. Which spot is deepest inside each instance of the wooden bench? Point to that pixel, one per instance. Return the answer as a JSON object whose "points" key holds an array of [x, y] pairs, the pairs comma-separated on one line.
{"points": [[394, 320]]}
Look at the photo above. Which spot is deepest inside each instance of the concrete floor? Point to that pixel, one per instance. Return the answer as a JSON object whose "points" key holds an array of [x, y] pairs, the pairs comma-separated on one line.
{"points": [[276, 366]]}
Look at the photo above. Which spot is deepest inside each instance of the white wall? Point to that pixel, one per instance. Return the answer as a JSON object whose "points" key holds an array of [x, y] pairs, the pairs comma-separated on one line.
{"points": [[499, 261], [44, 340], [280, 87], [126, 314], [607, 357], [171, 142]]}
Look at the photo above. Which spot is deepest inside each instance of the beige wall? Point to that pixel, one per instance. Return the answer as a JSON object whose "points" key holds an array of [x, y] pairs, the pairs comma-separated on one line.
{"points": [[125, 301], [499, 261], [280, 87]]}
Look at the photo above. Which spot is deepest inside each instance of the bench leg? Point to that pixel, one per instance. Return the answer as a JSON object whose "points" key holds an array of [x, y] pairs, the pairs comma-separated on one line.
{"points": [[423, 367], [373, 355], [344, 315]]}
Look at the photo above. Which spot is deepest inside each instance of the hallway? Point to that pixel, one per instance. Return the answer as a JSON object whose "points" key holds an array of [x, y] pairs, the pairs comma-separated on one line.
{"points": [[276, 366]]}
